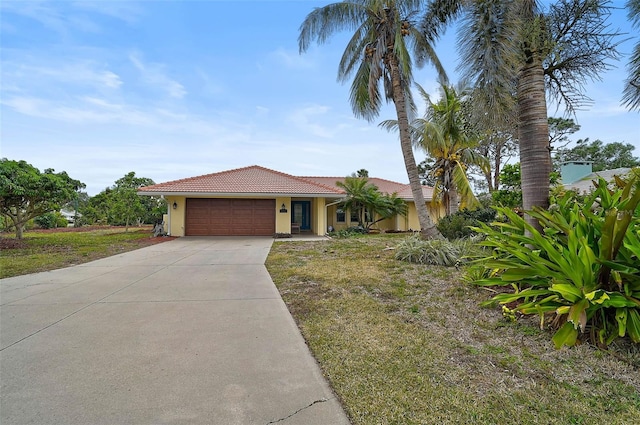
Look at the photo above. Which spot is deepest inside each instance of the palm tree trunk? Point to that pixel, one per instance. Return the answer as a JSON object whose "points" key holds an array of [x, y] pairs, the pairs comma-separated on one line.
{"points": [[533, 132], [427, 228], [453, 201]]}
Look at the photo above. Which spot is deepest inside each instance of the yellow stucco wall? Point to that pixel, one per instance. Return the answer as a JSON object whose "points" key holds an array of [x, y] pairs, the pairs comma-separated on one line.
{"points": [[176, 216], [283, 220], [175, 221], [319, 216]]}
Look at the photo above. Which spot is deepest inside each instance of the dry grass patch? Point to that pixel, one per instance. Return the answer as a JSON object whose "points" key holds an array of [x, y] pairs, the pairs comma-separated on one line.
{"points": [[407, 344]]}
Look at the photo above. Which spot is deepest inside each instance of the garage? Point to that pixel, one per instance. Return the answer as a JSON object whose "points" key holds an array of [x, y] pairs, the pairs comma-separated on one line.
{"points": [[230, 217]]}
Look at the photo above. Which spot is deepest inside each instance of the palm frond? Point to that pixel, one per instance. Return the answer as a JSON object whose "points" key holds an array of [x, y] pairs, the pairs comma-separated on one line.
{"points": [[463, 187], [325, 21]]}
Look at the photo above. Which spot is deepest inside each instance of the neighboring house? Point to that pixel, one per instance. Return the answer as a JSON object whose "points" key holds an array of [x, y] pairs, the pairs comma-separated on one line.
{"points": [[579, 175], [70, 215], [258, 201]]}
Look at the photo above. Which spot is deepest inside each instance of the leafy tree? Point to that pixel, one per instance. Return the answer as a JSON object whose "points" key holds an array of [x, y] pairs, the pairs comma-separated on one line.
{"points": [[121, 206], [498, 146], [631, 93], [510, 192], [604, 156], [560, 129], [125, 203], [384, 42], [26, 193], [366, 200], [512, 47], [97, 208]]}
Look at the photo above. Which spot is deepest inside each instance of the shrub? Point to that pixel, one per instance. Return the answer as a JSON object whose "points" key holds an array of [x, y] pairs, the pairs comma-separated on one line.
{"points": [[582, 271], [51, 220], [437, 252], [459, 225], [349, 232]]}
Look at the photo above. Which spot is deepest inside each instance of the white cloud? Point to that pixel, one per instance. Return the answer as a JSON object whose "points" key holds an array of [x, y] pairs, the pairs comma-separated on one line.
{"points": [[125, 11], [24, 76], [153, 74], [305, 119], [292, 59]]}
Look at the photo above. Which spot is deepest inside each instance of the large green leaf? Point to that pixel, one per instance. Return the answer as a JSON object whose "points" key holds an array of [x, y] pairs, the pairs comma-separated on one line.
{"points": [[566, 335]]}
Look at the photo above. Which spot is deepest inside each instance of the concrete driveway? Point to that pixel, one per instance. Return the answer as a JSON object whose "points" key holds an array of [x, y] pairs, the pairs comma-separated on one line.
{"points": [[191, 331]]}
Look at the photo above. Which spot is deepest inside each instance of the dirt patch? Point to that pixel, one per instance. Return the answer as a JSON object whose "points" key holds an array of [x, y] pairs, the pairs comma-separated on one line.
{"points": [[7, 243]]}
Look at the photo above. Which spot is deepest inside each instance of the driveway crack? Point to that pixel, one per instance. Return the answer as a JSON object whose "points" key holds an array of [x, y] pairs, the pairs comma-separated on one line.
{"points": [[322, 400]]}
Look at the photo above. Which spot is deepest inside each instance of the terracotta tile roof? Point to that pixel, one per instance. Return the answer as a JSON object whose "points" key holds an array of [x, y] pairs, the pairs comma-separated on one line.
{"points": [[247, 180], [259, 180], [385, 186]]}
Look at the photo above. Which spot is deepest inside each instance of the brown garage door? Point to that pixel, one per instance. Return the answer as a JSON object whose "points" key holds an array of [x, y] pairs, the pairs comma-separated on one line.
{"points": [[237, 217]]}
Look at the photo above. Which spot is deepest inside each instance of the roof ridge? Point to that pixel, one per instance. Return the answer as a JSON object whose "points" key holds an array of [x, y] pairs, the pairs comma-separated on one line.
{"points": [[186, 179], [300, 178]]}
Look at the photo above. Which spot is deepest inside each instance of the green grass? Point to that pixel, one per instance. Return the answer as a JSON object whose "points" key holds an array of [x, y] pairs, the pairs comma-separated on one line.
{"points": [[42, 251], [408, 344]]}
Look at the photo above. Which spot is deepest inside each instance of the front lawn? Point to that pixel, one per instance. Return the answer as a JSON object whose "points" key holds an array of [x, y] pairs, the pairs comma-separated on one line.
{"points": [[408, 344], [47, 250]]}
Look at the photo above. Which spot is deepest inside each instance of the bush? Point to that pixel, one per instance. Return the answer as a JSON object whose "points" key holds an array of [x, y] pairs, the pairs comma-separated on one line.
{"points": [[582, 272], [51, 220], [349, 232], [437, 252], [459, 225]]}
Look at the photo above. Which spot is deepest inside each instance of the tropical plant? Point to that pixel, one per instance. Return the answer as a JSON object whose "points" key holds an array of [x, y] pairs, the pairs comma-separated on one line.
{"points": [[444, 136], [385, 46], [370, 205], [631, 93], [438, 252], [26, 193], [459, 225], [512, 47], [582, 271]]}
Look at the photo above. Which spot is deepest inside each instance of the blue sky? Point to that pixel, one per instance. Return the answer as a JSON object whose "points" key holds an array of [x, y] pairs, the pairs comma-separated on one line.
{"points": [[174, 89]]}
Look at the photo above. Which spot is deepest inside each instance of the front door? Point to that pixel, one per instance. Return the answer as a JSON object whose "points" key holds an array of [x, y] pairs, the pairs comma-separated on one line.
{"points": [[301, 214]]}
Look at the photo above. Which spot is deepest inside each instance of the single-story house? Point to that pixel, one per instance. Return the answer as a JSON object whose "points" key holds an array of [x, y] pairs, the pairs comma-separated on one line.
{"points": [[262, 202]]}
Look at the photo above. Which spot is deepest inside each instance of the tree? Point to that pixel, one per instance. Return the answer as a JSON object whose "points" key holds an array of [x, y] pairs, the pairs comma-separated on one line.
{"points": [[120, 205], [126, 204], [366, 200], [512, 47], [604, 156], [559, 130], [379, 53], [510, 192], [631, 93], [26, 193], [443, 135]]}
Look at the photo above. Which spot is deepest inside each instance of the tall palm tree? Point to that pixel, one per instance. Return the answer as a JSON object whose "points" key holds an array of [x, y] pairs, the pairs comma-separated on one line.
{"points": [[380, 55], [631, 94], [445, 137], [513, 46]]}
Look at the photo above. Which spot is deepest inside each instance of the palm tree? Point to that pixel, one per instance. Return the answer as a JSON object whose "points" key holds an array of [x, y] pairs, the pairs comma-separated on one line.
{"points": [[366, 200], [631, 94], [378, 54], [512, 46], [445, 137]]}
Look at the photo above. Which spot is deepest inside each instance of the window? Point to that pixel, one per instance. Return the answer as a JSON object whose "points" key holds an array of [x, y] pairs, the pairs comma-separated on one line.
{"points": [[341, 217], [354, 217]]}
